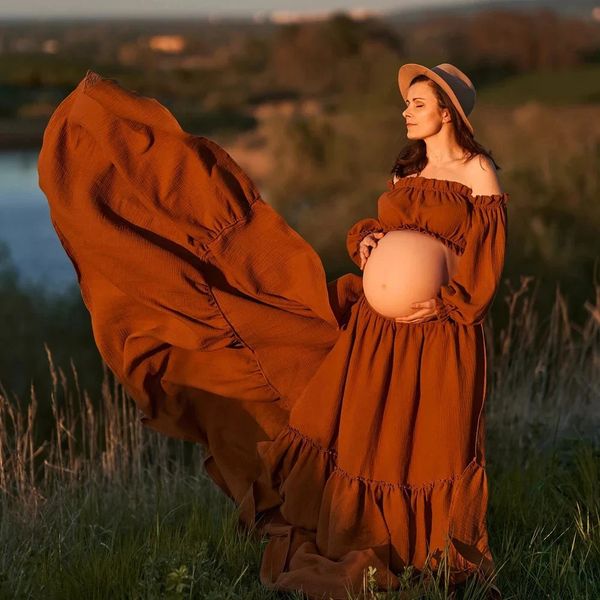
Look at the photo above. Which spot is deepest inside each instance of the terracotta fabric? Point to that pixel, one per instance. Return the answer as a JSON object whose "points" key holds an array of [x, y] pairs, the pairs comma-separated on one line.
{"points": [[474, 229], [348, 439]]}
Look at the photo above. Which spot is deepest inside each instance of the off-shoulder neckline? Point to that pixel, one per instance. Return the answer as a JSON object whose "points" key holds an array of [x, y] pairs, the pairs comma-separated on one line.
{"points": [[445, 185]]}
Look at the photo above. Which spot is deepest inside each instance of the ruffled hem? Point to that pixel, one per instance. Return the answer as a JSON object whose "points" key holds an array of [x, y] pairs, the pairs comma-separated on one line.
{"points": [[349, 522], [370, 225], [430, 183]]}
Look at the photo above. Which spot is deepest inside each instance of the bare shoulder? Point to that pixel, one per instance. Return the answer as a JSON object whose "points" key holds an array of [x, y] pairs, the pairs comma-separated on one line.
{"points": [[483, 176]]}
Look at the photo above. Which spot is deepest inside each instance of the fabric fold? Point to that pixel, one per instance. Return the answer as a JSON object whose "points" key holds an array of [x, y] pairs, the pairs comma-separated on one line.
{"points": [[181, 264], [350, 521]]}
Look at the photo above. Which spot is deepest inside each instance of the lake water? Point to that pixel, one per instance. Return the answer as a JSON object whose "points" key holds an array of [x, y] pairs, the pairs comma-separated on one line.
{"points": [[25, 224]]}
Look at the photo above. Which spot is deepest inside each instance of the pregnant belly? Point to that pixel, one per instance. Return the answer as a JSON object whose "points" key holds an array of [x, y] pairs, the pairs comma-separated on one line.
{"points": [[406, 266]]}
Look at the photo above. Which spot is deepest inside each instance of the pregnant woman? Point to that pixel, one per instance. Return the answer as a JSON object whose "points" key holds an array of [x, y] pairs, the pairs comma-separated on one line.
{"points": [[344, 418]]}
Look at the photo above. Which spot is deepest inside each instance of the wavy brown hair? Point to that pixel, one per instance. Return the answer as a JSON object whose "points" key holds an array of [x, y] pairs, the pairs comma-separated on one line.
{"points": [[413, 156]]}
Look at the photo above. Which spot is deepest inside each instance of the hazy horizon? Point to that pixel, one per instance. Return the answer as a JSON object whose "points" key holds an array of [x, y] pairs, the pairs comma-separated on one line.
{"points": [[208, 8]]}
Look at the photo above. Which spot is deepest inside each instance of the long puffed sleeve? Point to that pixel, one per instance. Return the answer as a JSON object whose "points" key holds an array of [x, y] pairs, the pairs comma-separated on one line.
{"points": [[468, 295], [357, 232]]}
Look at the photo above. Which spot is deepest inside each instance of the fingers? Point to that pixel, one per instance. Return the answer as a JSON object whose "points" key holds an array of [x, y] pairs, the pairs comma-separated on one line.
{"points": [[367, 244], [363, 257], [365, 248], [411, 320], [425, 304], [424, 314]]}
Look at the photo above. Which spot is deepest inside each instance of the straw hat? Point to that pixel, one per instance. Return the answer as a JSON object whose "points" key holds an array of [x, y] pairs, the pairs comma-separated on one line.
{"points": [[451, 79]]}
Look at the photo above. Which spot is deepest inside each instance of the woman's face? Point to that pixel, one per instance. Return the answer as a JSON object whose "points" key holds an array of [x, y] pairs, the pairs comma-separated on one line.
{"points": [[423, 115]]}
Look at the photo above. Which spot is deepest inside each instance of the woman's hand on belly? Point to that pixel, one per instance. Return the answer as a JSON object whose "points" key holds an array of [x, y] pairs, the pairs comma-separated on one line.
{"points": [[425, 312], [368, 243]]}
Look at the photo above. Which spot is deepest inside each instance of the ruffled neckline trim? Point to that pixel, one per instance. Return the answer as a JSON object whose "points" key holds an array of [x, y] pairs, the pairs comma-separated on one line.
{"points": [[447, 185]]}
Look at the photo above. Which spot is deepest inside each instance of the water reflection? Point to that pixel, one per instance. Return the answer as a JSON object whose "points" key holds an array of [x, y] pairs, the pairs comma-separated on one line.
{"points": [[25, 225]]}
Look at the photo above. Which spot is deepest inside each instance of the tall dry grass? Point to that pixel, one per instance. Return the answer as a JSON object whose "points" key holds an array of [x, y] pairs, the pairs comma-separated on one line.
{"points": [[106, 508]]}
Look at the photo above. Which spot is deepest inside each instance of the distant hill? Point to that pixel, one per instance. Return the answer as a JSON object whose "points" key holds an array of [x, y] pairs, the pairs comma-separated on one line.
{"points": [[573, 8]]}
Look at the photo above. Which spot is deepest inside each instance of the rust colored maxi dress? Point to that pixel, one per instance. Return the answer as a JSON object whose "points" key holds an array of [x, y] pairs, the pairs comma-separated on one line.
{"points": [[348, 439]]}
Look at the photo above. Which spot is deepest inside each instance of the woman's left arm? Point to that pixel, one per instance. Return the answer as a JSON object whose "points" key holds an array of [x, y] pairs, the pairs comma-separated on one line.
{"points": [[468, 295]]}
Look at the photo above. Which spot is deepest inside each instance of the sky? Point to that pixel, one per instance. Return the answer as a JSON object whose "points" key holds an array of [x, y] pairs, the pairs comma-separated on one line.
{"points": [[206, 8]]}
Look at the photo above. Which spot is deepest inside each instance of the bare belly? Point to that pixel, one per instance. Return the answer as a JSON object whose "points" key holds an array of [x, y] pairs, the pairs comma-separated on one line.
{"points": [[406, 266]]}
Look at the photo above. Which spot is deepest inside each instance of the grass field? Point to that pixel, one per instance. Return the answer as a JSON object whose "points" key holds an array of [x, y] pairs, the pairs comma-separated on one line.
{"points": [[106, 509]]}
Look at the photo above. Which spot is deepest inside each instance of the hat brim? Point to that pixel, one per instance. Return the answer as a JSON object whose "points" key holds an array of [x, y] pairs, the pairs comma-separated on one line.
{"points": [[409, 71]]}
